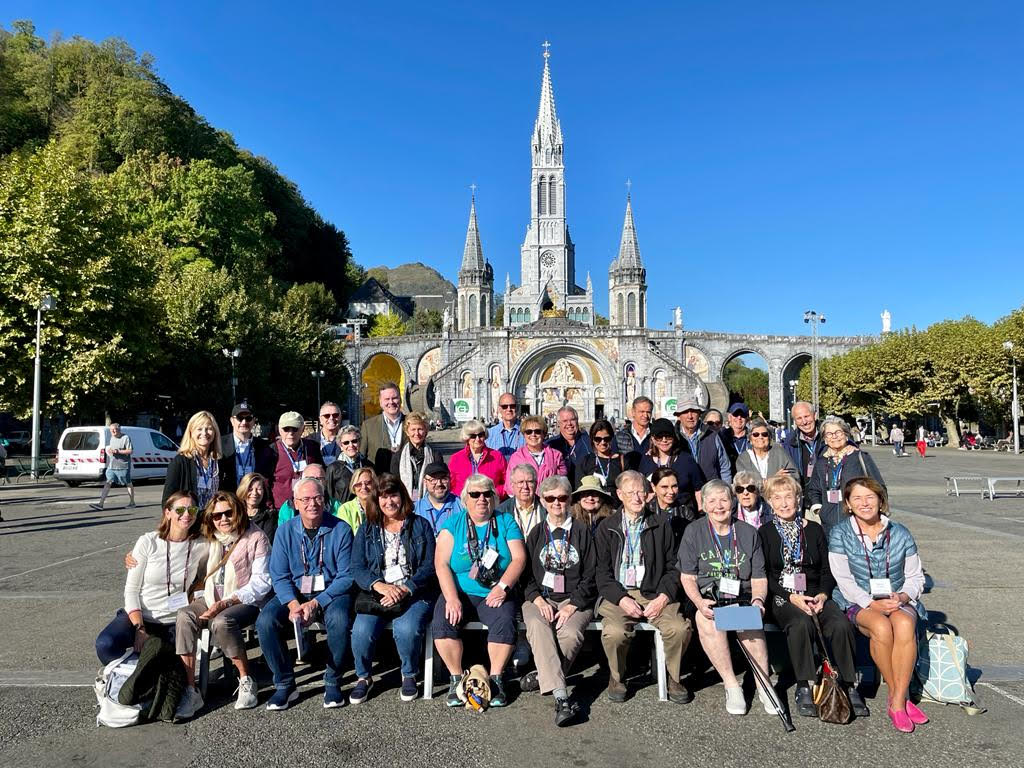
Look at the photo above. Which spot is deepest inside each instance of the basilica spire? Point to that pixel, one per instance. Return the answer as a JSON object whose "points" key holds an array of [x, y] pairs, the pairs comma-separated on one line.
{"points": [[473, 253], [629, 248], [547, 132]]}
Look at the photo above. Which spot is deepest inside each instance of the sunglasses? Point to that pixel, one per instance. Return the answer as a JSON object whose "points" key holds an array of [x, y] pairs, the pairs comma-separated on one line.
{"points": [[534, 431], [478, 494], [243, 417], [599, 439], [759, 434], [350, 442], [289, 429], [363, 484], [559, 499], [215, 516], [478, 436], [182, 511], [712, 423], [331, 416], [590, 495], [745, 488], [663, 437], [508, 406]]}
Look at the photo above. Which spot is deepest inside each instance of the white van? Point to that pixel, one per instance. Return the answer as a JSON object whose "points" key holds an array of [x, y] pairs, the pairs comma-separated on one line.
{"points": [[82, 456]]}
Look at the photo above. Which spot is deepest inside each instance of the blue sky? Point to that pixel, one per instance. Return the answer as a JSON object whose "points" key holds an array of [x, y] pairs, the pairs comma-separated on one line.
{"points": [[784, 156]]}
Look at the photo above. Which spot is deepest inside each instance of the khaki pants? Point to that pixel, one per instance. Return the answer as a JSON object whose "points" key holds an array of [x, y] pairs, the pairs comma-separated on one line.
{"points": [[226, 628], [554, 650], [619, 630]]}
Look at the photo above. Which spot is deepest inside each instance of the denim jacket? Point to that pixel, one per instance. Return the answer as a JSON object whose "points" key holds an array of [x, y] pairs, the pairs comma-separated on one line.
{"points": [[418, 540]]}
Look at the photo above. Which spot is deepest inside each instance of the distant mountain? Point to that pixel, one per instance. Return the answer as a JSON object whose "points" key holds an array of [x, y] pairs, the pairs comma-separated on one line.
{"points": [[417, 281]]}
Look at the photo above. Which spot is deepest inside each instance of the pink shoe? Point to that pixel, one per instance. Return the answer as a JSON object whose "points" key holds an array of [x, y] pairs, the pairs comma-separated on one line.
{"points": [[915, 714], [901, 721]]}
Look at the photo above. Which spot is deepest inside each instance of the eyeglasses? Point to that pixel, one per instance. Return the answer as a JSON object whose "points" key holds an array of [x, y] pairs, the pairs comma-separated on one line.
{"points": [[331, 416], [745, 488], [602, 438], [182, 511], [289, 429], [478, 436], [523, 483], [441, 479], [839, 433], [215, 516], [508, 406], [553, 499], [350, 442], [534, 432], [759, 434], [243, 417], [478, 494], [305, 501]]}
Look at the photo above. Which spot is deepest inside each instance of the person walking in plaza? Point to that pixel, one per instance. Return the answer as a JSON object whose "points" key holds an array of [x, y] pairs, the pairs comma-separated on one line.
{"points": [[382, 434], [571, 442], [704, 445], [479, 558], [330, 425], [638, 581], [604, 463], [476, 459], [236, 586], [559, 591], [393, 565], [119, 466], [310, 568], [523, 503], [633, 437], [339, 473], [438, 503], [736, 439], [841, 462], [805, 444], [896, 437], [922, 440], [410, 461], [505, 437], [876, 564], [764, 458], [241, 451], [547, 461], [722, 562], [289, 455], [195, 469], [800, 586]]}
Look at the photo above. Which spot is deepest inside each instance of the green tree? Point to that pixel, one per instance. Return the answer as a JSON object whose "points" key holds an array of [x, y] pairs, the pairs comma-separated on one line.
{"points": [[426, 321], [387, 325], [747, 384]]}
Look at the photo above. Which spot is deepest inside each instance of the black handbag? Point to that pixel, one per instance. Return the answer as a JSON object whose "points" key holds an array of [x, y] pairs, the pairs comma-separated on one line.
{"points": [[368, 601]]}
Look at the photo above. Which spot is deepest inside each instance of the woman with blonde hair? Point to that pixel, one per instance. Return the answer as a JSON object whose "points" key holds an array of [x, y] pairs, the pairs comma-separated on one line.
{"points": [[363, 488], [194, 470], [410, 462]]}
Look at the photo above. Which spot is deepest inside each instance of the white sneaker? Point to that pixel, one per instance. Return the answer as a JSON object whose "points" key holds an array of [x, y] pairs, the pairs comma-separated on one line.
{"points": [[735, 704], [191, 702], [246, 693], [766, 702]]}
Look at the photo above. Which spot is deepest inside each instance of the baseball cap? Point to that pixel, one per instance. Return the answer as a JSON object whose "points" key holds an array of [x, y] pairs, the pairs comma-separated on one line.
{"points": [[682, 406], [662, 427], [437, 469], [242, 407], [738, 407], [291, 419]]}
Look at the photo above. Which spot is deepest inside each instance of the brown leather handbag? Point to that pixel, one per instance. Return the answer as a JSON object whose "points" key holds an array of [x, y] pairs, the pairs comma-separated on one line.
{"points": [[830, 699]]}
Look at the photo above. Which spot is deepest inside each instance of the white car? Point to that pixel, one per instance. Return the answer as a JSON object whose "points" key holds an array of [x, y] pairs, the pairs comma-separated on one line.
{"points": [[82, 456]]}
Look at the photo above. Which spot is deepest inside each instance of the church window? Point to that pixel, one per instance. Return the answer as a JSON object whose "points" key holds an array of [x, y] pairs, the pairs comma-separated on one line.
{"points": [[620, 315], [473, 317], [552, 196], [526, 315], [631, 311], [484, 320], [542, 196]]}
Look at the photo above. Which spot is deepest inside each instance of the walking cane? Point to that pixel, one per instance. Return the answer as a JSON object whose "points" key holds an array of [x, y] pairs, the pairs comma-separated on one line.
{"points": [[765, 683]]}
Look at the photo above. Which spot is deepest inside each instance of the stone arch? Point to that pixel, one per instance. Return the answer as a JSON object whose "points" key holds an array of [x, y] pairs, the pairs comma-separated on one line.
{"points": [[791, 371], [589, 367], [378, 368], [659, 391], [737, 352]]}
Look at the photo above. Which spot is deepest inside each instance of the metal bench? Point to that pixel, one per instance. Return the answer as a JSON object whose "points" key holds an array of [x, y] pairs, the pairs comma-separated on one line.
{"points": [[1017, 490], [953, 484]]}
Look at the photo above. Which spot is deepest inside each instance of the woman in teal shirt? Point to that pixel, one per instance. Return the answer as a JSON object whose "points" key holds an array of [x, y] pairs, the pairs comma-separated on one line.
{"points": [[479, 557]]}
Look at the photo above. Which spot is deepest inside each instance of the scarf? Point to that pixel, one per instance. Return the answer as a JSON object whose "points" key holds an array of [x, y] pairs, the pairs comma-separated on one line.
{"points": [[223, 580], [412, 463], [789, 530]]}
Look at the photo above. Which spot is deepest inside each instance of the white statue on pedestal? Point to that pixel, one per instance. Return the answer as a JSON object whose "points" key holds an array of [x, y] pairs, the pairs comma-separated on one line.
{"points": [[886, 321]]}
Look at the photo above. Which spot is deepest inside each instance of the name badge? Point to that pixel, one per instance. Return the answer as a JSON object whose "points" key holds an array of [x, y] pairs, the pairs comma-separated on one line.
{"points": [[728, 587], [880, 588], [602, 479], [474, 571], [554, 581], [300, 466], [794, 582], [834, 495], [415, 495], [490, 558], [318, 583], [306, 585], [394, 574], [810, 469], [176, 601]]}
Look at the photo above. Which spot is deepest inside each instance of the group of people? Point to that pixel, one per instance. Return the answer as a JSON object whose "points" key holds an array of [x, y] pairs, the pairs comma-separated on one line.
{"points": [[655, 524]]}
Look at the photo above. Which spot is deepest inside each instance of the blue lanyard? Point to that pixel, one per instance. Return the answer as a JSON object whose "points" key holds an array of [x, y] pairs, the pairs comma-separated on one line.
{"points": [[435, 520], [730, 539], [796, 555], [299, 454], [836, 472], [629, 540], [208, 473], [245, 460], [508, 437], [302, 551], [330, 448], [561, 555]]}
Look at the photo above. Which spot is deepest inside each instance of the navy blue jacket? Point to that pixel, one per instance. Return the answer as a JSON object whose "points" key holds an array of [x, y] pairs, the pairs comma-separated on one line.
{"points": [[417, 538], [792, 446]]}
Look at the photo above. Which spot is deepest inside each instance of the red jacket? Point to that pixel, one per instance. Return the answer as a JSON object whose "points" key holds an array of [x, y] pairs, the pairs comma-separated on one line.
{"points": [[492, 464]]}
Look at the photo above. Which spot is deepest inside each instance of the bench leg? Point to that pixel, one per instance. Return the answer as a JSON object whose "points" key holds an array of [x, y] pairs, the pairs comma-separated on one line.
{"points": [[203, 661], [428, 664], [659, 660]]}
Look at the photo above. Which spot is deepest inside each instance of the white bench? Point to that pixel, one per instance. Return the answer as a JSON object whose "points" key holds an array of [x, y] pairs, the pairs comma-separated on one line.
{"points": [[1017, 490], [953, 483]]}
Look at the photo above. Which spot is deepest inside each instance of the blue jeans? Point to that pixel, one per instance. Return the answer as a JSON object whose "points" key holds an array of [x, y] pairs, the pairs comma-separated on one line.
{"points": [[119, 635], [408, 633], [274, 629]]}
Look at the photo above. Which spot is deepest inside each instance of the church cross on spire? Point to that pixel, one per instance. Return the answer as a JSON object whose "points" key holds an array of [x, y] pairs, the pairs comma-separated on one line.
{"points": [[546, 45]]}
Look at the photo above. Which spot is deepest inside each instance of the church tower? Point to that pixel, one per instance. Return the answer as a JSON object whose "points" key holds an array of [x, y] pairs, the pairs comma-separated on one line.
{"points": [[476, 280], [547, 256], [627, 279]]}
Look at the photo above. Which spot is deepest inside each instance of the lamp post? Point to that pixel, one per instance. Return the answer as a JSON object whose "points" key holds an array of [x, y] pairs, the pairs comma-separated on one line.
{"points": [[232, 355], [792, 399], [45, 305], [1015, 408], [318, 375], [814, 319]]}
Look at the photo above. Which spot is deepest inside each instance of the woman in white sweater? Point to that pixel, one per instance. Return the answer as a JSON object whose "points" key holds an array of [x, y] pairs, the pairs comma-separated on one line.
{"points": [[169, 560]]}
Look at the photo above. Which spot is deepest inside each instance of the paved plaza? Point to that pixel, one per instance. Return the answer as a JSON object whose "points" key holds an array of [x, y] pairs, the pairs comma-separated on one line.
{"points": [[61, 579]]}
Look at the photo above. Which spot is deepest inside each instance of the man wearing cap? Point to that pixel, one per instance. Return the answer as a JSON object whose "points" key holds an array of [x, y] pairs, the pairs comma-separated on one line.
{"points": [[523, 503], [573, 444], [634, 438], [330, 423], [289, 455], [382, 435], [241, 451], [704, 445], [735, 439], [805, 445], [505, 436], [438, 503]]}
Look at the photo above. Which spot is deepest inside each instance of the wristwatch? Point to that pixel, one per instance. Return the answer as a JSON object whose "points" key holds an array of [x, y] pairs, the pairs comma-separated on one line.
{"points": [[139, 627], [503, 585]]}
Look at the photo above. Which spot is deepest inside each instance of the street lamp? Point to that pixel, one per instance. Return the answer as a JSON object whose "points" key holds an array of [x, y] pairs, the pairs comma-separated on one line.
{"points": [[232, 355], [318, 375], [1015, 408], [45, 305], [792, 399], [814, 319]]}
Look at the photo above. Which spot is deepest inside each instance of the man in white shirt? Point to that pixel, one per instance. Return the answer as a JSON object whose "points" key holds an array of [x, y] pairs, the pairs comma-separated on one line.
{"points": [[505, 436]]}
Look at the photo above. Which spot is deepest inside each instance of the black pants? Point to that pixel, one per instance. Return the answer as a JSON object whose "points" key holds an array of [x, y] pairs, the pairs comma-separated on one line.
{"points": [[801, 639]]}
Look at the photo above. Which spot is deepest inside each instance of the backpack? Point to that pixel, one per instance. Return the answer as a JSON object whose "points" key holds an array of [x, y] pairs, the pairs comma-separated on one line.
{"points": [[109, 680], [475, 689], [940, 674]]}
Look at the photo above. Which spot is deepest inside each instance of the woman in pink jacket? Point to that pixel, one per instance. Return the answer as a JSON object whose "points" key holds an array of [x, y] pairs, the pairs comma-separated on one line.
{"points": [[476, 458], [546, 460]]}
